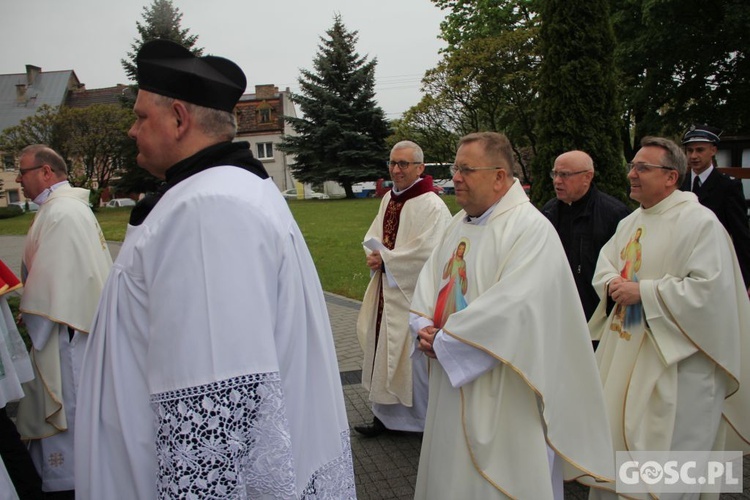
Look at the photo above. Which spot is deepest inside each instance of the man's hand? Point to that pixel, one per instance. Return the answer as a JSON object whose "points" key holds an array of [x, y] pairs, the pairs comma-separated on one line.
{"points": [[624, 292], [426, 336], [374, 260]]}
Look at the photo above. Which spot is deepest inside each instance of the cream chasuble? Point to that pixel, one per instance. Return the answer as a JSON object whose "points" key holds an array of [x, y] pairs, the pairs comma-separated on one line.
{"points": [[387, 374], [506, 289], [64, 267], [686, 346]]}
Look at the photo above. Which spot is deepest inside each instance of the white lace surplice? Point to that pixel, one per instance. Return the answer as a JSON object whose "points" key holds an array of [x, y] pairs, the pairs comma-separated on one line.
{"points": [[211, 370]]}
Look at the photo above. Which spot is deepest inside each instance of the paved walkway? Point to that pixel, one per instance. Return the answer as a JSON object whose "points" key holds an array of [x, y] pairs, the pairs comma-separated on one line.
{"points": [[385, 467]]}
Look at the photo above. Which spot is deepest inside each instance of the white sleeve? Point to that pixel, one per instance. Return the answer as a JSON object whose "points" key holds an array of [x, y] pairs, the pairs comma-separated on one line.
{"points": [[461, 362], [39, 328]]}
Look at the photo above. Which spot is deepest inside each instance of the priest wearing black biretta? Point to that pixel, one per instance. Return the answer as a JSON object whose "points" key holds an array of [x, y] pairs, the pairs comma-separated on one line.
{"points": [[211, 370]]}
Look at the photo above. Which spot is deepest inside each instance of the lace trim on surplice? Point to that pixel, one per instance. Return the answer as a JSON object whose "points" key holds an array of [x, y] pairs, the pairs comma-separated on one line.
{"points": [[230, 439], [227, 439]]}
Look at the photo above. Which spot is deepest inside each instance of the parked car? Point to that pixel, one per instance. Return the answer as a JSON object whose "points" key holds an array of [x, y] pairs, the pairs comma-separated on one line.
{"points": [[33, 207], [291, 194], [120, 202]]}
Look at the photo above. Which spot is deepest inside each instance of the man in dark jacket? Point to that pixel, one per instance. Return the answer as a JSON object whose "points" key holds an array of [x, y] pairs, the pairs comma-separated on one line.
{"points": [[719, 192], [584, 217]]}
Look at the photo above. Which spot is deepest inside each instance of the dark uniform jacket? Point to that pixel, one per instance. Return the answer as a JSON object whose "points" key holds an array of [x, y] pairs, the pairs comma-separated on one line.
{"points": [[724, 196], [592, 227]]}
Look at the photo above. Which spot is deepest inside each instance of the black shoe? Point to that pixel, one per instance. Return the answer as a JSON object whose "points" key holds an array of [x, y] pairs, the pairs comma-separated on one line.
{"points": [[371, 430]]}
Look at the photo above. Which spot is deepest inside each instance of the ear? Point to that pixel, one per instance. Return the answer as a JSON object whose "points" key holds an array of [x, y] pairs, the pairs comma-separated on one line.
{"points": [[182, 118], [672, 177]]}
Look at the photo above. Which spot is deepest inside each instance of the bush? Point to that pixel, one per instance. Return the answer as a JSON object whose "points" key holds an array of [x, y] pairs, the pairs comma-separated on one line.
{"points": [[10, 211]]}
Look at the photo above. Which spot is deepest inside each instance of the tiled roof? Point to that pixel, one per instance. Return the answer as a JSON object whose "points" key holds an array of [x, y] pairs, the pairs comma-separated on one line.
{"points": [[110, 95]]}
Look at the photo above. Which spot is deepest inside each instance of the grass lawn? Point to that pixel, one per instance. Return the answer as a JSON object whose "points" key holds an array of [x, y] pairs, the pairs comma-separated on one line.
{"points": [[333, 229]]}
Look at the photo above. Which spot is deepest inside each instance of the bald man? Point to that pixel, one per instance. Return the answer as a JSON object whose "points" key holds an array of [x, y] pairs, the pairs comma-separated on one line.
{"points": [[584, 217]]}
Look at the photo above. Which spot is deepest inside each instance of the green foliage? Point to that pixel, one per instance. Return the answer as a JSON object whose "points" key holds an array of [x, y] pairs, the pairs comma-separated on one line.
{"points": [[485, 81], [341, 136], [93, 140], [577, 101], [10, 211], [161, 20], [44, 127], [97, 141], [682, 62]]}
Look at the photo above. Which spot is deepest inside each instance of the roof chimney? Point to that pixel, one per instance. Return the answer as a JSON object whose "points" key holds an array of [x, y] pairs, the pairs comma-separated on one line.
{"points": [[31, 73]]}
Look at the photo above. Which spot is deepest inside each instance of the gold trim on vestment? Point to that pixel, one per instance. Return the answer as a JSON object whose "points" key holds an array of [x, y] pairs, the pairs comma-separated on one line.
{"points": [[536, 392]]}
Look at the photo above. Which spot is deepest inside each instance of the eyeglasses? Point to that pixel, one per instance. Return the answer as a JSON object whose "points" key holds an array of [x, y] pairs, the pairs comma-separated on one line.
{"points": [[565, 175], [22, 171], [642, 168], [402, 165], [468, 170]]}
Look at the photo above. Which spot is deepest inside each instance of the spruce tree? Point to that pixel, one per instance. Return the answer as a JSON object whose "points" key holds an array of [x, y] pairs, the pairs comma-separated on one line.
{"points": [[341, 134], [161, 20], [577, 102]]}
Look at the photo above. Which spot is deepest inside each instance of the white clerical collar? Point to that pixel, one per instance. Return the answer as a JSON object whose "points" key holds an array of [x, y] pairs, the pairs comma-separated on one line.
{"points": [[481, 220], [703, 175], [42, 197], [405, 190]]}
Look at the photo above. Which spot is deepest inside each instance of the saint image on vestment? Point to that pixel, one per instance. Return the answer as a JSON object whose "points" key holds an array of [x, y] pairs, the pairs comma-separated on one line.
{"points": [[626, 317], [451, 297]]}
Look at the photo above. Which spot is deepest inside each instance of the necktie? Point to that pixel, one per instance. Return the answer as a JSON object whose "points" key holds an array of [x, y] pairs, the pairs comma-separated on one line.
{"points": [[696, 184]]}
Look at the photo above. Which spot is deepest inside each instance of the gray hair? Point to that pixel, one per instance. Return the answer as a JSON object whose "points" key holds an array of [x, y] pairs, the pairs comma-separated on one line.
{"points": [[418, 155], [212, 122], [673, 155], [47, 156], [496, 147]]}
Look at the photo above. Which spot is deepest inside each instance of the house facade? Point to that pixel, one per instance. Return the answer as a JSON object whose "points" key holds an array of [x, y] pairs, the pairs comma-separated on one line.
{"points": [[260, 121]]}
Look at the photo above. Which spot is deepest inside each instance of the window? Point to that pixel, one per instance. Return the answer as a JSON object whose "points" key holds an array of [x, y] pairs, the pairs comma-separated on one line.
{"points": [[13, 196], [9, 163], [264, 112], [265, 150]]}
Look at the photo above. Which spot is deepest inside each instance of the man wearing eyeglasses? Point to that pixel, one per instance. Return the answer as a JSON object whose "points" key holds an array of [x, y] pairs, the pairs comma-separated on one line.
{"points": [[511, 368], [409, 223], [719, 192], [64, 266], [673, 355], [584, 217]]}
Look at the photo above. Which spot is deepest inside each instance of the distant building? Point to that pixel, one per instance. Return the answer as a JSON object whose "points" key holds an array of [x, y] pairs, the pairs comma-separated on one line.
{"points": [[260, 121], [21, 96], [260, 117]]}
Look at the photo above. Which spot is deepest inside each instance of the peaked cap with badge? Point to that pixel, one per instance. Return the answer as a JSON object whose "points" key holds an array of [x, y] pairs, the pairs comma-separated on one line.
{"points": [[702, 133], [169, 69]]}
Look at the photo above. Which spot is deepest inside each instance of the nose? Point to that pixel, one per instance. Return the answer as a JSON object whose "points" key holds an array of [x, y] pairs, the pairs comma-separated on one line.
{"points": [[131, 131], [632, 173]]}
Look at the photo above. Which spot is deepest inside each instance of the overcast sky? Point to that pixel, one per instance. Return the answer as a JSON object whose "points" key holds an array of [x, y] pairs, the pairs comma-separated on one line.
{"points": [[270, 40]]}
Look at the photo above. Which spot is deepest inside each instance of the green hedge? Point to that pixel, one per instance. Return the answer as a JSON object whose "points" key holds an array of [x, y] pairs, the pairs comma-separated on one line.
{"points": [[10, 211]]}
